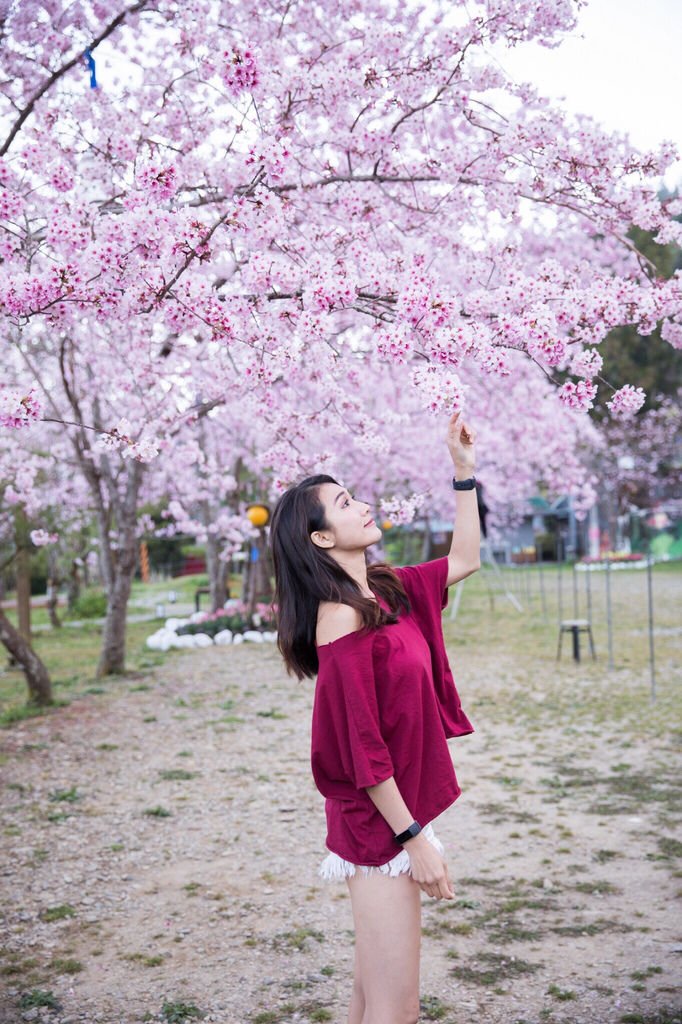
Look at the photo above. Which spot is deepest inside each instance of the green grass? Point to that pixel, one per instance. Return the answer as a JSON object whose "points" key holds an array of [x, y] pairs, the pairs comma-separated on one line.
{"points": [[570, 692], [432, 1008], [157, 812], [146, 960], [296, 939], [178, 1012], [597, 887], [176, 774], [71, 653], [564, 995], [57, 913], [66, 966], [647, 972], [149, 593], [67, 795], [670, 847], [39, 998], [487, 969], [71, 657]]}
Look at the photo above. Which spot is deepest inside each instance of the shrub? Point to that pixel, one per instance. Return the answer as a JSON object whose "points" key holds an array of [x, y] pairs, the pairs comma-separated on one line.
{"points": [[92, 604], [237, 623], [233, 616]]}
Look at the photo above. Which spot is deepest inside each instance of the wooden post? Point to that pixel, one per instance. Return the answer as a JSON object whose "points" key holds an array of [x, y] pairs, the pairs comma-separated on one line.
{"points": [[144, 561]]}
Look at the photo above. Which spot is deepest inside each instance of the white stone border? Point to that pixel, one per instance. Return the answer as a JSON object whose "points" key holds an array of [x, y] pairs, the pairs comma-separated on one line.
{"points": [[167, 637]]}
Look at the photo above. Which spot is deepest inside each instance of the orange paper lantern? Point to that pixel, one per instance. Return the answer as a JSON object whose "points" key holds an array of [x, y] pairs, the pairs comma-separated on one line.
{"points": [[258, 514]]}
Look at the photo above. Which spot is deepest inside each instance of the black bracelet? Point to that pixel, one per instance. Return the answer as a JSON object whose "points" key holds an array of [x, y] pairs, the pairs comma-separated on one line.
{"points": [[414, 830], [464, 485]]}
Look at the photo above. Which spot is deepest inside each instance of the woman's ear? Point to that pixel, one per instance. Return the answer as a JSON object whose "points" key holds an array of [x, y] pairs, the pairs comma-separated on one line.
{"points": [[320, 540]]}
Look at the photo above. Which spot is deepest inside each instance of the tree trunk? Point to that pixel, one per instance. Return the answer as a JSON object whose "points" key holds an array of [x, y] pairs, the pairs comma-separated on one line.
{"points": [[217, 573], [216, 569], [52, 601], [426, 544], [73, 589], [258, 582], [23, 574], [119, 565], [39, 685], [113, 653], [53, 582]]}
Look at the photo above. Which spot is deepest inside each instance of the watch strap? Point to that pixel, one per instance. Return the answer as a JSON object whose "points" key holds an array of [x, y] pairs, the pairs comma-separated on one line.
{"points": [[409, 833], [464, 485]]}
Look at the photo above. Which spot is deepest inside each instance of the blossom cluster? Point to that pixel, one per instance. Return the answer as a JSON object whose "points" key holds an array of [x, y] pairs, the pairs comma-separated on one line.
{"points": [[587, 363], [626, 402], [42, 537], [19, 408], [240, 70], [440, 390], [401, 511], [578, 394], [158, 182], [119, 439]]}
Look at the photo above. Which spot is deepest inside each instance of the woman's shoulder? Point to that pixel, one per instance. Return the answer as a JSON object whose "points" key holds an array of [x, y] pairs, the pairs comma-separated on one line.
{"points": [[335, 620]]}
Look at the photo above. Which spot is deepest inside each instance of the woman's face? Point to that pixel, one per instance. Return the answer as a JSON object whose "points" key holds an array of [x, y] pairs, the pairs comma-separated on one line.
{"points": [[348, 518]]}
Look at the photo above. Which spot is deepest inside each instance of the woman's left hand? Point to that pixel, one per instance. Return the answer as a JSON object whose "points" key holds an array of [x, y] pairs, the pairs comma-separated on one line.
{"points": [[460, 440]]}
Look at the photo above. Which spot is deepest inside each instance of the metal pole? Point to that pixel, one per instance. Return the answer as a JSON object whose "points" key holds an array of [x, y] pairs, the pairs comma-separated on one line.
{"points": [[560, 596], [609, 622], [542, 590], [575, 592], [651, 623], [588, 592]]}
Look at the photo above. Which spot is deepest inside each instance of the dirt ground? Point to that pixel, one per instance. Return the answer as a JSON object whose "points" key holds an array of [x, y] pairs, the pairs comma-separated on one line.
{"points": [[161, 839]]}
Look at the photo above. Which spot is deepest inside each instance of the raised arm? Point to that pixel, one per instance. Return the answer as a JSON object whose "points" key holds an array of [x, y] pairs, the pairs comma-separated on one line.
{"points": [[464, 556]]}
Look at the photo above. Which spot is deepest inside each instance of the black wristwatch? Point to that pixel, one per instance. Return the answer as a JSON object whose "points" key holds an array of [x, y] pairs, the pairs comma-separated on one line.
{"points": [[464, 485], [409, 833]]}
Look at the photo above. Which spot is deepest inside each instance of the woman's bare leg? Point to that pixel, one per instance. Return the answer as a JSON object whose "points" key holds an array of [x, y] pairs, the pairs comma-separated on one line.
{"points": [[387, 917], [356, 1010]]}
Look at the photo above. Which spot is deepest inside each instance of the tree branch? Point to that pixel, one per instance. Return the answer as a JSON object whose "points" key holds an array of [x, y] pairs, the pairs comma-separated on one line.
{"points": [[56, 75]]}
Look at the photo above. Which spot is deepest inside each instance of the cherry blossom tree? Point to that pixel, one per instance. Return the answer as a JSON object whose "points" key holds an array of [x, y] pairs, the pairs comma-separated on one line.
{"points": [[640, 463], [293, 213], [28, 483], [203, 494]]}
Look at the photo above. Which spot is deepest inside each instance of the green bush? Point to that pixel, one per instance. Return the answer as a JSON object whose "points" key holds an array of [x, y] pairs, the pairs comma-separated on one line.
{"points": [[236, 623], [92, 604], [193, 551], [38, 581]]}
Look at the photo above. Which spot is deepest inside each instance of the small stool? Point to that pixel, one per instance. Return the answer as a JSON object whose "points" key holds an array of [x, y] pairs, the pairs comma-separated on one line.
{"points": [[576, 627]]}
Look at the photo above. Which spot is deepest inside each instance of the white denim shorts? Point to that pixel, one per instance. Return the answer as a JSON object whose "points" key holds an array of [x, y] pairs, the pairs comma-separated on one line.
{"points": [[334, 868]]}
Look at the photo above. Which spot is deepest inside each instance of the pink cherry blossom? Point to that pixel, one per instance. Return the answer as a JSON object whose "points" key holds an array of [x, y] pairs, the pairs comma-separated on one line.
{"points": [[18, 409], [42, 537], [240, 71], [626, 401], [578, 395]]}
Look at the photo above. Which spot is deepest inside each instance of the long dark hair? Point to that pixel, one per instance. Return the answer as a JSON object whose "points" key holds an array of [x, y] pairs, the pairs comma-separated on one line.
{"points": [[306, 574]]}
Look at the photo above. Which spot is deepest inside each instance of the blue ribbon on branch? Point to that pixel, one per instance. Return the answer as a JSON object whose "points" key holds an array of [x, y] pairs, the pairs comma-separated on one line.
{"points": [[91, 65]]}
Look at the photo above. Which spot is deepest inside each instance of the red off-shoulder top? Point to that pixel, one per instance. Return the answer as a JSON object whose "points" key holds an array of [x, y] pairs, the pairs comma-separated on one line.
{"points": [[385, 704]]}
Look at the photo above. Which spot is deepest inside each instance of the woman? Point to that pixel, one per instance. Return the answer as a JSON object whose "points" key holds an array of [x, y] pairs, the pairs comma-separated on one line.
{"points": [[385, 704]]}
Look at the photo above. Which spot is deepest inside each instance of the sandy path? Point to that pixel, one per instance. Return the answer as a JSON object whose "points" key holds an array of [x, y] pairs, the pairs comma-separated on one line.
{"points": [[563, 849]]}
